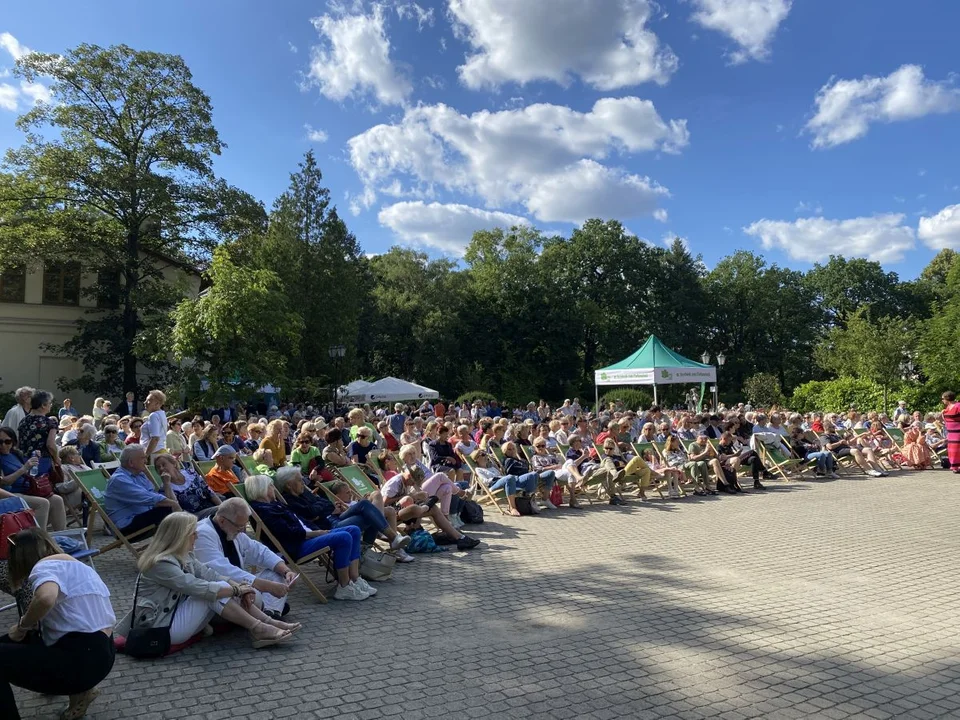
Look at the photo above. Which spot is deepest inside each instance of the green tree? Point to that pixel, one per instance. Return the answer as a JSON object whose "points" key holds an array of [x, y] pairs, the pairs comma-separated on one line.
{"points": [[239, 334], [939, 341], [116, 172], [763, 390], [866, 348], [842, 285]]}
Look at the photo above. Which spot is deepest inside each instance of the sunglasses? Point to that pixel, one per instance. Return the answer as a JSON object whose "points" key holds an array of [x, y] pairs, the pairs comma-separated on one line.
{"points": [[6, 442]]}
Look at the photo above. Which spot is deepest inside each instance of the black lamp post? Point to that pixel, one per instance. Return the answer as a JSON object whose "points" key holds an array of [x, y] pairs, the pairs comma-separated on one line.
{"points": [[721, 359], [336, 353]]}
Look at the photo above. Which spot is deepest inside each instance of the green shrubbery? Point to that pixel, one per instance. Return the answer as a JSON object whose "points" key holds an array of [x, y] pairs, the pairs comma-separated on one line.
{"points": [[469, 397], [838, 395], [632, 398]]}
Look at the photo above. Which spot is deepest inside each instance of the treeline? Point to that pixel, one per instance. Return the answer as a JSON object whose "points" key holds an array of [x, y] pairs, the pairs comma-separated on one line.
{"points": [[117, 174]]}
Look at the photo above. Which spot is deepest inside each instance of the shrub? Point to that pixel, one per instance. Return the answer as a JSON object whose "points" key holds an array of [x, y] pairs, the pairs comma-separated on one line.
{"points": [[632, 398], [469, 397], [838, 395], [763, 390]]}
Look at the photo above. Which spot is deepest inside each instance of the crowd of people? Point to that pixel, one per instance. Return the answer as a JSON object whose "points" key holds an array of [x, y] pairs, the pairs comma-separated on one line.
{"points": [[189, 485]]}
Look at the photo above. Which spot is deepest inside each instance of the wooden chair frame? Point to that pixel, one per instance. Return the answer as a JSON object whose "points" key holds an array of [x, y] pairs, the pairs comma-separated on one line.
{"points": [[84, 479]]}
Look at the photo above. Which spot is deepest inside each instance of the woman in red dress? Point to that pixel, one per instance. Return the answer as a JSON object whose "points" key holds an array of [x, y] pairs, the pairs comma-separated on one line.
{"points": [[951, 418]]}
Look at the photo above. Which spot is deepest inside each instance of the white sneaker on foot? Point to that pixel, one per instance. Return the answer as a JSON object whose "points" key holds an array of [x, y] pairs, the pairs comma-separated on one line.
{"points": [[404, 557], [366, 587], [399, 542], [349, 592], [549, 505]]}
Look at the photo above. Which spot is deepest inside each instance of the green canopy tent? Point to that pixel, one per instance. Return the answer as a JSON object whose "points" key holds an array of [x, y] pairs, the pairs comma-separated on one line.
{"points": [[653, 364]]}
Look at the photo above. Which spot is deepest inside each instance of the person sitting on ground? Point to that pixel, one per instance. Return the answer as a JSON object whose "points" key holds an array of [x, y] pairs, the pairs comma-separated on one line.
{"points": [[131, 499], [321, 514], [514, 465], [223, 546], [192, 492], [545, 460], [298, 540], [403, 493], [176, 590], [71, 608], [847, 446]]}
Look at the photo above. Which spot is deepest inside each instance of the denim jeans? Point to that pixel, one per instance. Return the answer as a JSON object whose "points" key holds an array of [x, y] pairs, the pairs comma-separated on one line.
{"points": [[364, 515], [508, 483], [343, 542], [825, 461]]}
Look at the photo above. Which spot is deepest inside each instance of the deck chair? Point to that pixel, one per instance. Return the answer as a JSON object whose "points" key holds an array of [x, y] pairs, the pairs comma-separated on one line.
{"points": [[497, 455], [93, 483], [204, 466], [776, 459], [356, 478], [896, 437], [107, 465], [261, 532], [248, 464], [528, 454], [494, 497]]}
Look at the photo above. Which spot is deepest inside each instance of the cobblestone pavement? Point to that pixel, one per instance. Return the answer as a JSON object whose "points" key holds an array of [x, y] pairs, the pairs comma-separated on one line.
{"points": [[812, 600]]}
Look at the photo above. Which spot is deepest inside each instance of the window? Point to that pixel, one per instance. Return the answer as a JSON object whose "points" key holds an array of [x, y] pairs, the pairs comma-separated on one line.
{"points": [[13, 285], [61, 283], [108, 289]]}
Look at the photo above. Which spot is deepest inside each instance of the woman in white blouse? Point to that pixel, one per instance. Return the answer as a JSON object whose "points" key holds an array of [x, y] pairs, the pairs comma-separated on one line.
{"points": [[71, 607]]}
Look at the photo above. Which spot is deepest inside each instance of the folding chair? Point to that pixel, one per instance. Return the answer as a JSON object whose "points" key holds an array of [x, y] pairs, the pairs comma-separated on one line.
{"points": [[896, 437], [204, 466], [248, 464], [93, 483], [528, 454], [489, 496], [776, 459], [260, 530], [107, 465], [357, 479]]}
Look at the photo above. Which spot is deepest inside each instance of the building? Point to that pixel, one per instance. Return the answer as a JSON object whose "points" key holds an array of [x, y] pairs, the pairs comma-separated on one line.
{"points": [[40, 305]]}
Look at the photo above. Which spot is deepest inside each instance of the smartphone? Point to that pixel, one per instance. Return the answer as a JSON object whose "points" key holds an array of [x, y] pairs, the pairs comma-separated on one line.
{"points": [[290, 584]]}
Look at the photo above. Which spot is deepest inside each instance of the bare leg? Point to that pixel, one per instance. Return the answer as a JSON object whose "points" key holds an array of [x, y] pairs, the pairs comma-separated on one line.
{"points": [[441, 521], [390, 513], [58, 512], [251, 619]]}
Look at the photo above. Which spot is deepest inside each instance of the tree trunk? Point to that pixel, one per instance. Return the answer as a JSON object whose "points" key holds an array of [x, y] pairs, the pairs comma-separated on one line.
{"points": [[129, 325]]}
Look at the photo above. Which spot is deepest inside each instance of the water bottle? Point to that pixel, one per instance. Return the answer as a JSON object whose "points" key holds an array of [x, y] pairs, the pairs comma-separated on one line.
{"points": [[35, 470]]}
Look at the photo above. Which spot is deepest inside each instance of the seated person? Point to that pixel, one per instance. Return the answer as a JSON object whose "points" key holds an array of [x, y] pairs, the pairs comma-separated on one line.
{"points": [[131, 500], [432, 483], [442, 456], [335, 453], [704, 456], [305, 455], [205, 447], [402, 492], [264, 463], [362, 451], [112, 444], [221, 476], [298, 540], [514, 465], [178, 591], [192, 492], [545, 460], [320, 513], [87, 445], [494, 480], [223, 546], [734, 454], [810, 451]]}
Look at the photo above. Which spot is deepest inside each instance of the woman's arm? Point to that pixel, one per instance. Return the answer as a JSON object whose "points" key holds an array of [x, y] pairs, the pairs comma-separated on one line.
{"points": [[52, 446], [16, 474], [44, 598]]}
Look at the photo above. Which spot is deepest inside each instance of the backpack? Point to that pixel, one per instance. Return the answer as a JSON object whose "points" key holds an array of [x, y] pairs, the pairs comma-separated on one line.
{"points": [[422, 542], [522, 501], [471, 513]]}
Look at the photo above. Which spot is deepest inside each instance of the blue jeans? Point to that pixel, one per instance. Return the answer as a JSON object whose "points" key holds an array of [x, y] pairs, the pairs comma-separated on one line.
{"points": [[825, 461], [343, 542], [548, 478], [364, 515], [508, 483], [528, 482]]}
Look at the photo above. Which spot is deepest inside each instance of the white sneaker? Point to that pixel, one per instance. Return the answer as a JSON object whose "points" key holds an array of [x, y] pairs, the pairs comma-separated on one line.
{"points": [[874, 473], [549, 505], [366, 587], [833, 476], [349, 592], [399, 542], [534, 508], [403, 556]]}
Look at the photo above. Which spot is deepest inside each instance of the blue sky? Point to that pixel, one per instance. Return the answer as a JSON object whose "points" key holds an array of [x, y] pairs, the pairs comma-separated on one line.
{"points": [[796, 129]]}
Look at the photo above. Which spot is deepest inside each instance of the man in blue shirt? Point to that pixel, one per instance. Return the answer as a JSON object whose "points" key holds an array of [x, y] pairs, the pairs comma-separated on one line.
{"points": [[131, 499], [532, 414], [397, 420], [493, 410]]}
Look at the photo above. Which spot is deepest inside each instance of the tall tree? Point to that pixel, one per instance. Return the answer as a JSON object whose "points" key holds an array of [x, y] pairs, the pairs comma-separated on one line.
{"points": [[117, 173], [842, 285]]}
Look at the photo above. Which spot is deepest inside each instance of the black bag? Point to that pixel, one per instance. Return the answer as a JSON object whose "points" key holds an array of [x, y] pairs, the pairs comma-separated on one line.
{"points": [[146, 643], [471, 513], [523, 504]]}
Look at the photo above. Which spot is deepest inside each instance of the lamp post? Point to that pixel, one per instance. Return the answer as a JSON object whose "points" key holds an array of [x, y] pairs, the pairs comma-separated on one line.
{"points": [[721, 359], [336, 353], [706, 361]]}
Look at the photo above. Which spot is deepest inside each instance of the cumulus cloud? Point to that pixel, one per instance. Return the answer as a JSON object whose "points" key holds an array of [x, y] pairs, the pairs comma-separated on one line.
{"points": [[411, 10], [445, 227], [605, 43], [882, 238], [20, 96], [751, 24], [514, 156], [353, 57], [845, 109], [942, 230], [9, 43], [315, 134]]}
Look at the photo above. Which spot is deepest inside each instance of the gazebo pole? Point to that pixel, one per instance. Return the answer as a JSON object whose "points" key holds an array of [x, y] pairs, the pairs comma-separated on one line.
{"points": [[596, 397], [655, 392]]}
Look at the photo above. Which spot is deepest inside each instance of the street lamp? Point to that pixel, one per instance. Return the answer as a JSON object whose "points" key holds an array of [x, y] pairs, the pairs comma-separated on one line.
{"points": [[721, 359], [336, 353]]}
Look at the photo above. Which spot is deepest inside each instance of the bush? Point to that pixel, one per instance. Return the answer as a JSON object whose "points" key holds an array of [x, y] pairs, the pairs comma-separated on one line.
{"points": [[763, 390], [469, 397], [632, 398], [838, 395]]}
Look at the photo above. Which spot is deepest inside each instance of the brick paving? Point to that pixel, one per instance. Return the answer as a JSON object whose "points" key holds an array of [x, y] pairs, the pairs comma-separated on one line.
{"points": [[812, 600]]}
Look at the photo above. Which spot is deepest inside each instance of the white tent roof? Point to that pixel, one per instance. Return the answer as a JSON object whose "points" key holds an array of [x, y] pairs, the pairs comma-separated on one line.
{"points": [[389, 389], [354, 389]]}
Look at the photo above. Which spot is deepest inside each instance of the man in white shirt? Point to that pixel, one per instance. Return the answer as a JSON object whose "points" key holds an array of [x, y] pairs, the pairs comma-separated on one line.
{"points": [[223, 545], [153, 433], [18, 412]]}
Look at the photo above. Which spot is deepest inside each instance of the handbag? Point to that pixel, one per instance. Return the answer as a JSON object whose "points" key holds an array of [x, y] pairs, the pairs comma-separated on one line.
{"points": [[376, 566], [10, 524], [145, 643], [556, 495], [39, 485]]}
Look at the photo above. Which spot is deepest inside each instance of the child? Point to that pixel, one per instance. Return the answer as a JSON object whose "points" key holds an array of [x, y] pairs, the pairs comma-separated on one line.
{"points": [[672, 475]]}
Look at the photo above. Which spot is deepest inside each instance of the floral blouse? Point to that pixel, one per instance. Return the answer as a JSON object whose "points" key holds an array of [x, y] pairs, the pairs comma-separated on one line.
{"points": [[32, 434]]}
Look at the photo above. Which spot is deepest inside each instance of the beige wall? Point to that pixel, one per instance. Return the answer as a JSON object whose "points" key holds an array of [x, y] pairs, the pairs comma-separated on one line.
{"points": [[24, 327]]}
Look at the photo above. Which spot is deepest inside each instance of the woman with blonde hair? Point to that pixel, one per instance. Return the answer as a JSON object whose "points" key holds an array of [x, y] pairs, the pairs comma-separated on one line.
{"points": [[274, 441], [98, 412], [176, 590]]}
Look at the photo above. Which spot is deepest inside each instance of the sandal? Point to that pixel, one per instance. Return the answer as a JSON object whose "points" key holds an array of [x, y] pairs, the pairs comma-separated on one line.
{"points": [[281, 637], [280, 625], [77, 710]]}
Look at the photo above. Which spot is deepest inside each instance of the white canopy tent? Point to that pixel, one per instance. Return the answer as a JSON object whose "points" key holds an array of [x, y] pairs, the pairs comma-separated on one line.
{"points": [[353, 390], [390, 389]]}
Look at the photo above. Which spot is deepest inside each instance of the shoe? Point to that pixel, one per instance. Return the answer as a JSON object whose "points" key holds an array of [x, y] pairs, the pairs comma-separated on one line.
{"points": [[712, 492], [403, 556], [673, 494], [365, 587], [874, 473], [767, 475], [757, 485], [699, 492], [549, 505], [399, 542], [443, 539], [79, 704], [534, 508], [833, 476], [467, 543], [613, 501], [349, 592], [883, 473]]}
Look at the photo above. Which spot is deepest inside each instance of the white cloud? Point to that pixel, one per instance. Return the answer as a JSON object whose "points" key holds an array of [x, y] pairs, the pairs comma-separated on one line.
{"points": [[8, 97], [9, 43], [315, 135], [661, 215], [882, 238], [942, 230], [353, 58], [35, 92], [751, 24], [847, 108], [23, 97], [669, 238], [514, 156], [448, 228], [603, 42], [425, 18], [812, 208]]}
